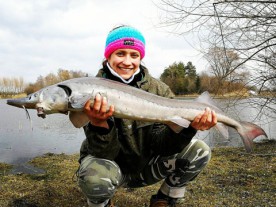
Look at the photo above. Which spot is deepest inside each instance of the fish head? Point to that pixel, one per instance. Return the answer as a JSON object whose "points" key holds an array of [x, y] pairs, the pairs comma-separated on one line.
{"points": [[52, 99]]}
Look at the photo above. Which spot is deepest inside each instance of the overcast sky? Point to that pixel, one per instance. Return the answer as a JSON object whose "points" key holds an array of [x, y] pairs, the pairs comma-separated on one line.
{"points": [[38, 37]]}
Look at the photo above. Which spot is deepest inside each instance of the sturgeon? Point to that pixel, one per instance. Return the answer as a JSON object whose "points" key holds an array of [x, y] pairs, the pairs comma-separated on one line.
{"points": [[69, 97]]}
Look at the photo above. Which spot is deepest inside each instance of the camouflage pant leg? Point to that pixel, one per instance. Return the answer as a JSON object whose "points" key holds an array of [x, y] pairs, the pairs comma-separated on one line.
{"points": [[98, 178], [198, 155], [177, 170]]}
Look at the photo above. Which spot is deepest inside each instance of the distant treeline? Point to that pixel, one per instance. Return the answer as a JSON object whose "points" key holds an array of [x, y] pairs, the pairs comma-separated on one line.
{"points": [[11, 86], [183, 79], [52, 78]]}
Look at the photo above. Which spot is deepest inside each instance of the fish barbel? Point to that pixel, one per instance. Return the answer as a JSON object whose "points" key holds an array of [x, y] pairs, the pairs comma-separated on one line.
{"points": [[130, 103]]}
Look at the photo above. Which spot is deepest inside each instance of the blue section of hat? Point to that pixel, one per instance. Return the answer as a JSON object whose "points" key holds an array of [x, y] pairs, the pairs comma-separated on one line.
{"points": [[124, 32]]}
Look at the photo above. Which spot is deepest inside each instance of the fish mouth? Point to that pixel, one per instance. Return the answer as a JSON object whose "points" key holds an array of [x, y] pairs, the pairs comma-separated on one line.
{"points": [[40, 112]]}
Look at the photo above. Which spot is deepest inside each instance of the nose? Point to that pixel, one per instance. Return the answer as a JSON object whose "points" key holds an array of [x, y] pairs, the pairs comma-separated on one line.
{"points": [[127, 60]]}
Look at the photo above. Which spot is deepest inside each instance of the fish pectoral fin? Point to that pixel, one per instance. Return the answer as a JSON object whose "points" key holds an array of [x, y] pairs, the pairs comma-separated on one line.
{"points": [[178, 123], [78, 119], [78, 101], [223, 129]]}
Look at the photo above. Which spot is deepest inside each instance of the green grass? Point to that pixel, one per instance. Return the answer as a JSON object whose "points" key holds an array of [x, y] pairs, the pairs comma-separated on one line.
{"points": [[233, 178]]}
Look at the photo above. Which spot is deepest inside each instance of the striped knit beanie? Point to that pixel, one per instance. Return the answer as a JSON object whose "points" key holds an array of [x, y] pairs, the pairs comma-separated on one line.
{"points": [[124, 37]]}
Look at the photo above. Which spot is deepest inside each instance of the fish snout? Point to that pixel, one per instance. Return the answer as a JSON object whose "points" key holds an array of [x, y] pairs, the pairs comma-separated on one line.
{"points": [[40, 112]]}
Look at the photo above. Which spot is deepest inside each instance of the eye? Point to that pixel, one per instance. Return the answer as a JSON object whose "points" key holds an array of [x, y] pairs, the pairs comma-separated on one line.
{"points": [[135, 55], [120, 54]]}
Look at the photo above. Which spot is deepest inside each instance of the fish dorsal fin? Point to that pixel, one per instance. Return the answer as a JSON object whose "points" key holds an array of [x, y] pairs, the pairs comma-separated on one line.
{"points": [[206, 98]]}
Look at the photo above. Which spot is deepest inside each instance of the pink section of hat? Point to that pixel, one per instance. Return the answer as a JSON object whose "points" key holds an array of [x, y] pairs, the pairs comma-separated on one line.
{"points": [[125, 43]]}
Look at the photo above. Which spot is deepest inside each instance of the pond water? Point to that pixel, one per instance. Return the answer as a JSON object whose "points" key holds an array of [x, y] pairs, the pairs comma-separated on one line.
{"points": [[242, 110], [22, 139]]}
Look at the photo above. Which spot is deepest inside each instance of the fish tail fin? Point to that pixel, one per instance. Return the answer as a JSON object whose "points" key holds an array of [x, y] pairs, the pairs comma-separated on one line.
{"points": [[249, 131]]}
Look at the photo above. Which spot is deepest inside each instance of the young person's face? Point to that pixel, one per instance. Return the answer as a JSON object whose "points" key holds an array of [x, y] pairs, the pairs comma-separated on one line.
{"points": [[125, 62]]}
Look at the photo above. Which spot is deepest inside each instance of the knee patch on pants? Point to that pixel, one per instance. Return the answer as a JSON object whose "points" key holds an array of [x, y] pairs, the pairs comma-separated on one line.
{"points": [[197, 151], [98, 178], [197, 154]]}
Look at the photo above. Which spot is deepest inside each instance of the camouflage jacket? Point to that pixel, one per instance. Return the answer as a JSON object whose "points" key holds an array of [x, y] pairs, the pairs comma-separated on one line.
{"points": [[133, 143]]}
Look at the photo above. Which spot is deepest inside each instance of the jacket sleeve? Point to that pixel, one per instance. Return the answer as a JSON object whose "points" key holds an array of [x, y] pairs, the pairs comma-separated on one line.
{"points": [[101, 142], [166, 142]]}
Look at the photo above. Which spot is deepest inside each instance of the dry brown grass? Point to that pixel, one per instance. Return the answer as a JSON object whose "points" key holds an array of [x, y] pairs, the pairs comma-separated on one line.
{"points": [[21, 95], [233, 178]]}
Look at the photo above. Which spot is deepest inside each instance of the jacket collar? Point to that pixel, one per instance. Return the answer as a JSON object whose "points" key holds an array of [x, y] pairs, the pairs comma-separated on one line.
{"points": [[141, 79]]}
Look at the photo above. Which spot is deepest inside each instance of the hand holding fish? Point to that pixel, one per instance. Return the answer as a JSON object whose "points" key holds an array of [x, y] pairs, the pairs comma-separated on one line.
{"points": [[98, 113], [205, 120]]}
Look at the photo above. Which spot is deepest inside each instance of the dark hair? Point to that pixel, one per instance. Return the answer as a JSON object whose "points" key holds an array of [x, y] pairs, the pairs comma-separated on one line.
{"points": [[104, 63]]}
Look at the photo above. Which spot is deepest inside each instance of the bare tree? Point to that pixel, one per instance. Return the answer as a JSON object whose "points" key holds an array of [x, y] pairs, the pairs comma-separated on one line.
{"points": [[222, 63], [246, 27], [228, 77]]}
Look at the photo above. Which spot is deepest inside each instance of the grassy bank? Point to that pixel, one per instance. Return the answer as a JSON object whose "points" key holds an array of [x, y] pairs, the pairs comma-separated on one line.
{"points": [[233, 178], [4, 96]]}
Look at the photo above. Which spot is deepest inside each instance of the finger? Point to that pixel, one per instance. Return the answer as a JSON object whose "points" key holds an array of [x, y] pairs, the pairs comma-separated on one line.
{"points": [[103, 108], [111, 110], [200, 116], [197, 118], [214, 118], [87, 106], [97, 103], [196, 121], [209, 120], [205, 116]]}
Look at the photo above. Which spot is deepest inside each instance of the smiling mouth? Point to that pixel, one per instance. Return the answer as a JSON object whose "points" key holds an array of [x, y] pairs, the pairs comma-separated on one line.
{"points": [[125, 69]]}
